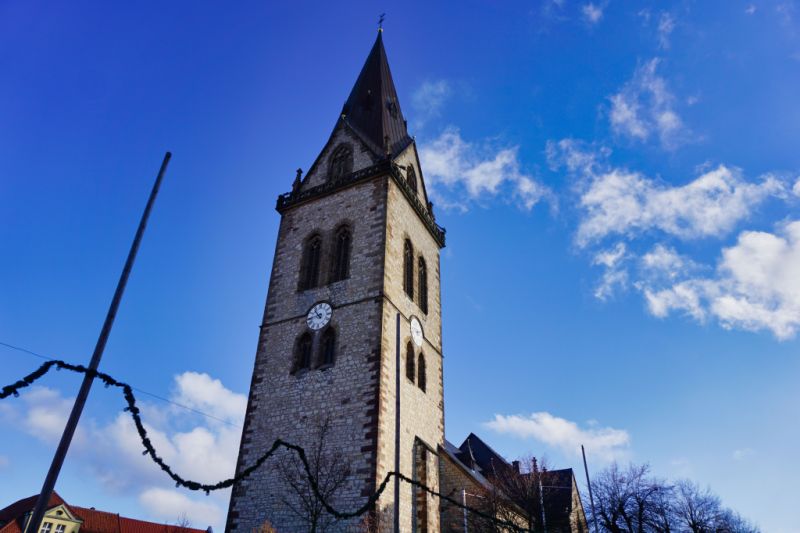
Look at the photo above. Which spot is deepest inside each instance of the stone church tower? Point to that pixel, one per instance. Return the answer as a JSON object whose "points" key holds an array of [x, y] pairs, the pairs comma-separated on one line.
{"points": [[357, 251]]}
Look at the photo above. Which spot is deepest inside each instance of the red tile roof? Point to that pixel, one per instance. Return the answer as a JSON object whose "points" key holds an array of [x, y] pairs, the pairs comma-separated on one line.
{"points": [[94, 521]]}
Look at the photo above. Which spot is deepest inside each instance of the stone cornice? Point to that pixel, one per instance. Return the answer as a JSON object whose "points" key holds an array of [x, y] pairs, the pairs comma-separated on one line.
{"points": [[291, 199]]}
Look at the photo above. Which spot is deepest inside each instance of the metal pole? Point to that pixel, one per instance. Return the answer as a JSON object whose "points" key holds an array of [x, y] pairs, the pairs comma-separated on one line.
{"points": [[464, 501], [66, 438], [589, 484], [397, 429], [541, 502]]}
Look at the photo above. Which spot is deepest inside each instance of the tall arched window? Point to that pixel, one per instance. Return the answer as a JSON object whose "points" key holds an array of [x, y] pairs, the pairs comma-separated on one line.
{"points": [[411, 178], [410, 371], [328, 348], [309, 268], [422, 273], [421, 381], [341, 162], [340, 268], [408, 269], [302, 353]]}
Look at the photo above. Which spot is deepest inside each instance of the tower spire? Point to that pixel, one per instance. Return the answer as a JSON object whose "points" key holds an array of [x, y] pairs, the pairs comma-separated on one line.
{"points": [[373, 109]]}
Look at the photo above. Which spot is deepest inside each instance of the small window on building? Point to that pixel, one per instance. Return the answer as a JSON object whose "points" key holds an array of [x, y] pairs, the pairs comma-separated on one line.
{"points": [[410, 371], [60, 528], [341, 162], [422, 274], [328, 348], [47, 527], [302, 355], [421, 379], [341, 255], [411, 178], [309, 267], [408, 269]]}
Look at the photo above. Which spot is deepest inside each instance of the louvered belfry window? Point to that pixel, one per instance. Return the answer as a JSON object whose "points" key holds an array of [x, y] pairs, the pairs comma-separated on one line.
{"points": [[341, 255], [408, 269], [410, 370], [422, 274], [309, 268]]}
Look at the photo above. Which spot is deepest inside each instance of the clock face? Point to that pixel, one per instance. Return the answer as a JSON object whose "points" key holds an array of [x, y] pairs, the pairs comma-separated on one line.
{"points": [[319, 315], [416, 332]]}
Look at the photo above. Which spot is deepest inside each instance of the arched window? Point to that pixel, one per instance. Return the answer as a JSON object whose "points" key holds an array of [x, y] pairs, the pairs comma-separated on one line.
{"points": [[408, 269], [410, 371], [341, 162], [328, 348], [309, 268], [422, 273], [411, 178], [302, 353], [340, 268], [421, 372]]}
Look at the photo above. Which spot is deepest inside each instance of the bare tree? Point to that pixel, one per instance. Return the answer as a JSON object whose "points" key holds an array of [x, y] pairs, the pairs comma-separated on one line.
{"points": [[632, 501], [182, 523], [521, 484], [327, 467], [697, 510]]}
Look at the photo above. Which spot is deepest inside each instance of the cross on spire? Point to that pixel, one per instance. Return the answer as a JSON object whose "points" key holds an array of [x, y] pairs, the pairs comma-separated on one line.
{"points": [[380, 21]]}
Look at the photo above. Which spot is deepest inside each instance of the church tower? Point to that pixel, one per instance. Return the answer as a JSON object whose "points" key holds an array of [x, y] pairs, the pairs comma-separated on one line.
{"points": [[357, 254]]}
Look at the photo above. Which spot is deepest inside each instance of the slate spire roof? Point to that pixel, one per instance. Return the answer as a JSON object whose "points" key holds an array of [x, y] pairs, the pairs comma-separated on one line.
{"points": [[372, 109]]}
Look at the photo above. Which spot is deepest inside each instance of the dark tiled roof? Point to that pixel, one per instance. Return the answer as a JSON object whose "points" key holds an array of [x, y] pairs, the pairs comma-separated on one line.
{"points": [[94, 521], [557, 484], [373, 109], [485, 458]]}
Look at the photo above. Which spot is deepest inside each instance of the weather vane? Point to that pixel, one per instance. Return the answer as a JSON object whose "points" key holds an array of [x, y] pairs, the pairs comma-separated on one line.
{"points": [[380, 21]]}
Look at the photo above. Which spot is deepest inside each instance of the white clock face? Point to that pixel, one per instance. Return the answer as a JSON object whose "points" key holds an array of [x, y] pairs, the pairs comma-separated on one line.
{"points": [[416, 332], [319, 316]]}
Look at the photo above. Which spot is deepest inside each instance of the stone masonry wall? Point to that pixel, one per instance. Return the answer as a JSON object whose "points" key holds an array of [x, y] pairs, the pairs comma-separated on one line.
{"points": [[362, 156], [282, 405], [421, 413]]}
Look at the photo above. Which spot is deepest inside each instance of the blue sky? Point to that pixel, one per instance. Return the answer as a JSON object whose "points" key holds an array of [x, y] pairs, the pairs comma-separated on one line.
{"points": [[619, 183]]}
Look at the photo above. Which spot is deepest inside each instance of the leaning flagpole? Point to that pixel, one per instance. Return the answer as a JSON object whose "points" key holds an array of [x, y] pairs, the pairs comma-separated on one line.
{"points": [[589, 485], [66, 438]]}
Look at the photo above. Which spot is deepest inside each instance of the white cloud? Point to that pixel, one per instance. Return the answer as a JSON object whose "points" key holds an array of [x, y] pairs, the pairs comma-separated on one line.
{"points": [[664, 261], [197, 448], [47, 413], [666, 24], [645, 106], [755, 286], [607, 444], [614, 274], [796, 188], [428, 100], [202, 392], [592, 13], [742, 454], [626, 203], [460, 173], [750, 9], [167, 505]]}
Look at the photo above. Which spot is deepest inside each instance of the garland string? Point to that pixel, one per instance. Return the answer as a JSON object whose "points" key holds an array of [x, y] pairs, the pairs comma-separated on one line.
{"points": [[149, 449]]}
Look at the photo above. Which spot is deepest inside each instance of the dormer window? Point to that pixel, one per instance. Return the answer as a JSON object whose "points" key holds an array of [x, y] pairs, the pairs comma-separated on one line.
{"points": [[411, 178], [341, 162]]}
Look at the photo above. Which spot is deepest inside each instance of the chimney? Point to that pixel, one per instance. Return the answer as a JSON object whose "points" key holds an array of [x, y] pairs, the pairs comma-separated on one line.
{"points": [[515, 464]]}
